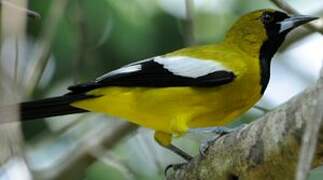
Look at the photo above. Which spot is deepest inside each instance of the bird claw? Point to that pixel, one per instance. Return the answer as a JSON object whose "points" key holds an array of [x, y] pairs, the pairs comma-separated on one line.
{"points": [[174, 167], [206, 144], [219, 131], [263, 109]]}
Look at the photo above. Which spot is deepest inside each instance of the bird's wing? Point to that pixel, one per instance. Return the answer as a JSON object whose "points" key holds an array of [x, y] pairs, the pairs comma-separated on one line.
{"points": [[163, 71]]}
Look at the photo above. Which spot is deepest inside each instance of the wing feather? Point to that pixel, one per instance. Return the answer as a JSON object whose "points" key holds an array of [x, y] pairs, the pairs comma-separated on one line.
{"points": [[163, 71]]}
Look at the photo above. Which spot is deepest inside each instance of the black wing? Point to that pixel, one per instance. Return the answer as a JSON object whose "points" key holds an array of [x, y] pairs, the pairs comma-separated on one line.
{"points": [[150, 73]]}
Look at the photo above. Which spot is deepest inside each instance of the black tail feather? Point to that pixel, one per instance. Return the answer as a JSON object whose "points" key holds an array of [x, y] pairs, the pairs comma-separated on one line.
{"points": [[49, 107]]}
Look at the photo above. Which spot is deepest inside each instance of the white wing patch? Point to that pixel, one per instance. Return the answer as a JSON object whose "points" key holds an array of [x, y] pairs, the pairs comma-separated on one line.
{"points": [[189, 66], [178, 65], [122, 70]]}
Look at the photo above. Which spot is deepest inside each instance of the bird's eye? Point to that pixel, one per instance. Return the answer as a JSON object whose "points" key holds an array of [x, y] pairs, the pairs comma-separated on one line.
{"points": [[267, 18]]}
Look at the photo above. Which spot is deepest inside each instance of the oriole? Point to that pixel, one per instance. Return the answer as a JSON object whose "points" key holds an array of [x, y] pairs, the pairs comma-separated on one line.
{"points": [[202, 86]]}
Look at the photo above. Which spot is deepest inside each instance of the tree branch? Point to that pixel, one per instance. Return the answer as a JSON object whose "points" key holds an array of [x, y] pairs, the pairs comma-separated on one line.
{"points": [[265, 149], [310, 137]]}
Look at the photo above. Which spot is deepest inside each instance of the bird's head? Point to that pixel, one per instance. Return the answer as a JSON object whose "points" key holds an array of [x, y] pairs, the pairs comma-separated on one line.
{"points": [[254, 29]]}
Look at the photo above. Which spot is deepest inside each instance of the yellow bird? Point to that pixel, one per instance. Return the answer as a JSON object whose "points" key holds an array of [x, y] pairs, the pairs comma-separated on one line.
{"points": [[195, 87]]}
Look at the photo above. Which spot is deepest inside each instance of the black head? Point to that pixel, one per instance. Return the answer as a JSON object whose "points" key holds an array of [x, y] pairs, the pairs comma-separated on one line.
{"points": [[260, 33], [278, 24], [253, 29]]}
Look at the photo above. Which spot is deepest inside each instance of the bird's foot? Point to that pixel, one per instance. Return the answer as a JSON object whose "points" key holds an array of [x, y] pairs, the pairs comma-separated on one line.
{"points": [[263, 109], [179, 152], [206, 144], [219, 132], [174, 167]]}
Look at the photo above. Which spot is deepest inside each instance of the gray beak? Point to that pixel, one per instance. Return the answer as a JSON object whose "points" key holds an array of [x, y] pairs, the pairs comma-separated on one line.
{"points": [[294, 21]]}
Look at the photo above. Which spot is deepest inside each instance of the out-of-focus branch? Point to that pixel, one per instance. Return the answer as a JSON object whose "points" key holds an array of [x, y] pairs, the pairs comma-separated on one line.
{"points": [[11, 141], [15, 75], [117, 135], [82, 48], [86, 157], [109, 159], [317, 26], [189, 23], [310, 137], [44, 44], [30, 13], [80, 154], [13, 21], [265, 149]]}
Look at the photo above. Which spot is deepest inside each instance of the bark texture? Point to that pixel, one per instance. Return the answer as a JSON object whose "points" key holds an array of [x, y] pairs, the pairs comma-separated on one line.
{"points": [[265, 149]]}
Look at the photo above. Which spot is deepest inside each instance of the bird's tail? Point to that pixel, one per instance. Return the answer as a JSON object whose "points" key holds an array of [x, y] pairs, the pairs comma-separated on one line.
{"points": [[49, 107]]}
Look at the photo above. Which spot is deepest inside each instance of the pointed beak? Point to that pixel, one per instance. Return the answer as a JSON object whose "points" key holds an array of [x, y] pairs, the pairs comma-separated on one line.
{"points": [[294, 21]]}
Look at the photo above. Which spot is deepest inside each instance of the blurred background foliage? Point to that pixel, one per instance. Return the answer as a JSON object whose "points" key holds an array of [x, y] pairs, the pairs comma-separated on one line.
{"points": [[94, 37]]}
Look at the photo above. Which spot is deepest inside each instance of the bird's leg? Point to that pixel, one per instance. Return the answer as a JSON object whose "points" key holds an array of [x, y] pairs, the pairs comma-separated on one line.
{"points": [[164, 139], [179, 152], [219, 131], [263, 109]]}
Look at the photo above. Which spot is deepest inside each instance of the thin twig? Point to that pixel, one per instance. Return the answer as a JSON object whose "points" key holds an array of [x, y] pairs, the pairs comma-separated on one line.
{"points": [[81, 52], [289, 9], [44, 45], [189, 24], [118, 135], [30, 13], [111, 160], [15, 75]]}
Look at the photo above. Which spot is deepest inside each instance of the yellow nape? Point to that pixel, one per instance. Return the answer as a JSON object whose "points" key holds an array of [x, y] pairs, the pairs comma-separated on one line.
{"points": [[248, 33]]}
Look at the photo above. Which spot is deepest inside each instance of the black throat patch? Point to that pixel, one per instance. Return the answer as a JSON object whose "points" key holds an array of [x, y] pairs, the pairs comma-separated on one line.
{"points": [[271, 45], [267, 51]]}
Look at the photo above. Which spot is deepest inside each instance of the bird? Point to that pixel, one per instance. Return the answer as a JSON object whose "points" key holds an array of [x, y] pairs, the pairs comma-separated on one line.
{"points": [[194, 87]]}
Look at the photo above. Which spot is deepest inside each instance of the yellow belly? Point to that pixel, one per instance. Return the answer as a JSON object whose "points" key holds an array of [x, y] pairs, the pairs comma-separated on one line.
{"points": [[174, 110]]}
